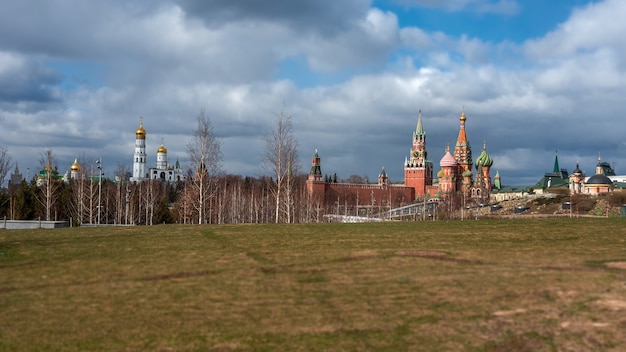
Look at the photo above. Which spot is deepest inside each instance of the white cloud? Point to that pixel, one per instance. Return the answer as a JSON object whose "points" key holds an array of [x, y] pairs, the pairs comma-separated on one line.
{"points": [[590, 28]]}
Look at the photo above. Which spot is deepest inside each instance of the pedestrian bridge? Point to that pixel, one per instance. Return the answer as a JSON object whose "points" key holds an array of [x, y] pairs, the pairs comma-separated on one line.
{"points": [[416, 211]]}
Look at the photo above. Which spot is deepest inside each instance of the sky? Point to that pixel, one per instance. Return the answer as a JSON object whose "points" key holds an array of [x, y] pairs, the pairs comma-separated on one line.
{"points": [[534, 78]]}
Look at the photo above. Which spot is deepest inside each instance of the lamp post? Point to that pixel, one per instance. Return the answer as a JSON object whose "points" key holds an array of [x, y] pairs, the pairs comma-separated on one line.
{"points": [[127, 201], [99, 162]]}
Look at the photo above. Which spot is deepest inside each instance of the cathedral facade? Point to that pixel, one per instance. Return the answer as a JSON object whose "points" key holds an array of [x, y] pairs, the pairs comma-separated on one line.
{"points": [[456, 174]]}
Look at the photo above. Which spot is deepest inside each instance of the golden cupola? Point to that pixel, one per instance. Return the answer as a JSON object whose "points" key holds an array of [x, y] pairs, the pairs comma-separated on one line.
{"points": [[141, 133], [162, 148], [75, 166]]}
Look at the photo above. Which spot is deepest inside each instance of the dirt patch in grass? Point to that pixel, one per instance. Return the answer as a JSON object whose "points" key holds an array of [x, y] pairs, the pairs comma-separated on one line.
{"points": [[616, 265], [510, 312], [435, 256], [179, 275], [417, 253], [527, 342], [613, 304], [361, 255], [568, 268]]}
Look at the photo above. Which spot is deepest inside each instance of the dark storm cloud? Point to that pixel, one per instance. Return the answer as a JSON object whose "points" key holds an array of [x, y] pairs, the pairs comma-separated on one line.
{"points": [[71, 28], [327, 17], [26, 83]]}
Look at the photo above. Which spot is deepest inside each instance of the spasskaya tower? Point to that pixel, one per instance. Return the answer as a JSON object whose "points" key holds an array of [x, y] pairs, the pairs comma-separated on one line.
{"points": [[418, 170]]}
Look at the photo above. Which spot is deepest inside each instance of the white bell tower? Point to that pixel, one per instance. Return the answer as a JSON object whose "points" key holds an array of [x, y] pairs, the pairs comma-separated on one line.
{"points": [[139, 162]]}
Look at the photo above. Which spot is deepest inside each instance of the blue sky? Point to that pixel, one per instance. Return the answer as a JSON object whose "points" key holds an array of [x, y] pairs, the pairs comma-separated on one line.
{"points": [[533, 77], [527, 19]]}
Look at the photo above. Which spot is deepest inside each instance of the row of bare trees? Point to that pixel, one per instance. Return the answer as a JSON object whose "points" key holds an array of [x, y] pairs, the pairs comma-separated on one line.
{"points": [[207, 196]]}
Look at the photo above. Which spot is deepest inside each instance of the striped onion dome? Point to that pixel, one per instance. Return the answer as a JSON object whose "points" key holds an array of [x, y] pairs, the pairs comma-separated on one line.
{"points": [[484, 159]]}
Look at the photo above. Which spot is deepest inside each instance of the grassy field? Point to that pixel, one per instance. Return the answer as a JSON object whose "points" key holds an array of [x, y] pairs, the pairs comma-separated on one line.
{"points": [[530, 285]]}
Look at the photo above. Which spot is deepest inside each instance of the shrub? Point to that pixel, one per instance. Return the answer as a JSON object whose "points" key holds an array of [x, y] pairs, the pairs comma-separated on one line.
{"points": [[583, 203], [617, 198]]}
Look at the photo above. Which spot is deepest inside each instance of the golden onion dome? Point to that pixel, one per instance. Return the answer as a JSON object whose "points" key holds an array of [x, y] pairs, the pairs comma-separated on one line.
{"points": [[463, 118], [162, 149], [75, 166], [140, 132]]}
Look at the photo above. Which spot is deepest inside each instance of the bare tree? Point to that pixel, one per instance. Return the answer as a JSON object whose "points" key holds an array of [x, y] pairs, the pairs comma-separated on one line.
{"points": [[206, 157], [49, 185], [281, 159], [5, 164]]}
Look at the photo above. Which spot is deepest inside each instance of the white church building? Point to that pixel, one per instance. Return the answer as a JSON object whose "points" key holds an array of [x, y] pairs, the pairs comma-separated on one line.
{"points": [[163, 170]]}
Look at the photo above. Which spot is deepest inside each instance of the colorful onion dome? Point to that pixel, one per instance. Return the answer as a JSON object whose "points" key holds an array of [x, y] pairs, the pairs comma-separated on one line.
{"points": [[467, 173], [484, 159], [440, 173], [75, 166], [447, 160]]}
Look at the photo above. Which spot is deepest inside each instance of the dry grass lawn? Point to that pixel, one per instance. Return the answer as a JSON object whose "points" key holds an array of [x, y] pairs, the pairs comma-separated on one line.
{"points": [[508, 285]]}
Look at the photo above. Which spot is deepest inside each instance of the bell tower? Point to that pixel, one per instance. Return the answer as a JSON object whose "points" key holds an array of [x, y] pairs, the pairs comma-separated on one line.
{"points": [[139, 162], [418, 170]]}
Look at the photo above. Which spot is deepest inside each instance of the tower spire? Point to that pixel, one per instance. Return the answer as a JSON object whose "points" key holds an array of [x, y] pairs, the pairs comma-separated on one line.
{"points": [[420, 129], [556, 169], [316, 167]]}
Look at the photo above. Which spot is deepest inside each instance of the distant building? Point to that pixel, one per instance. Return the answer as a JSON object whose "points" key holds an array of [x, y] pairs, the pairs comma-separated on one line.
{"points": [[603, 181], [74, 173], [352, 198], [47, 171], [16, 178], [558, 178], [454, 178], [163, 170], [418, 170], [456, 175], [599, 183], [139, 159]]}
